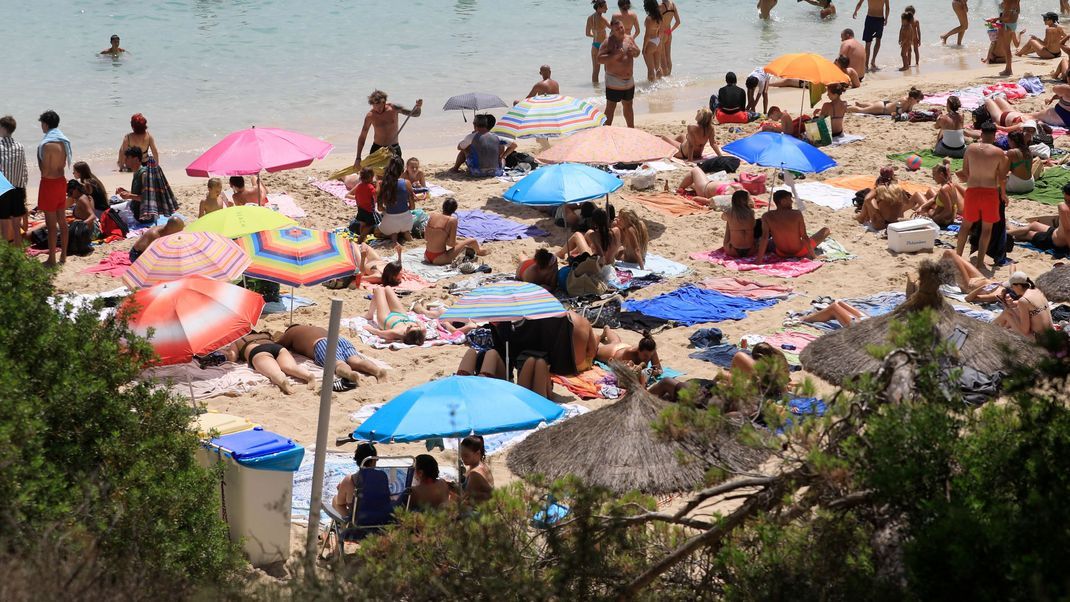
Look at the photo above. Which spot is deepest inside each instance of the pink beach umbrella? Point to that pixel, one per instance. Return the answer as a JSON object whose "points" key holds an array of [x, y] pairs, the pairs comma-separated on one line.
{"points": [[251, 151]]}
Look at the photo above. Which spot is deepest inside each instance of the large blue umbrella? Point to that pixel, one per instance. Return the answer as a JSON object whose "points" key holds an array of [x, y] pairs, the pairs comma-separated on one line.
{"points": [[5, 186], [563, 183], [781, 151], [457, 406]]}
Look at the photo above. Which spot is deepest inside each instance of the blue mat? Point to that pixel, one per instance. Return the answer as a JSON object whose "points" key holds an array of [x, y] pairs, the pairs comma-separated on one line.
{"points": [[802, 408], [689, 305], [1058, 254], [719, 355]]}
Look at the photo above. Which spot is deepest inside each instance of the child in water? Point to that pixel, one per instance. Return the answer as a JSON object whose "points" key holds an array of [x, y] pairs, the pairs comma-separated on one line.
{"points": [[917, 34], [906, 40]]}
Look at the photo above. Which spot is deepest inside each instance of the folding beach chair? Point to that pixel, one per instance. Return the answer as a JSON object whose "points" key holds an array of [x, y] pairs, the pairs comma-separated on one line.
{"points": [[382, 490]]}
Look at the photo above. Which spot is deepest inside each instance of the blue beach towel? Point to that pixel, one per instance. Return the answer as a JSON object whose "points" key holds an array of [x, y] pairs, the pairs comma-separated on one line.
{"points": [[802, 408], [719, 355], [689, 305], [283, 304], [484, 226]]}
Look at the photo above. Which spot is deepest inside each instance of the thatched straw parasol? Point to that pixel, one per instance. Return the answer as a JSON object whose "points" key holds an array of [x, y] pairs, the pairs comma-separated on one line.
{"points": [[616, 447], [1055, 284], [840, 355]]}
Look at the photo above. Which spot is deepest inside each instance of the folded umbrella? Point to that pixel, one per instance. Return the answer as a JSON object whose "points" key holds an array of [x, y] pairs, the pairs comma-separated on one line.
{"points": [[376, 161]]}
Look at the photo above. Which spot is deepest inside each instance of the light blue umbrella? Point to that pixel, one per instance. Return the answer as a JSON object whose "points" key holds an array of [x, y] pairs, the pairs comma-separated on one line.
{"points": [[769, 149], [5, 186], [457, 406], [563, 183]]}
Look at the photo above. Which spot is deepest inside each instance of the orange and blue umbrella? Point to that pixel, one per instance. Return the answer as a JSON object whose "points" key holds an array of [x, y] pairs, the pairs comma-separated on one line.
{"points": [[184, 254], [505, 301], [192, 316], [549, 116], [298, 256]]}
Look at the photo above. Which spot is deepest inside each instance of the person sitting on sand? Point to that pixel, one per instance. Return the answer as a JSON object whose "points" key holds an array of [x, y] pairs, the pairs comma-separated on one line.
{"points": [[114, 51], [612, 347], [214, 200], [477, 485], [82, 207], [972, 283], [834, 109], [782, 122], [1046, 236], [950, 131], [533, 371], [364, 457], [428, 491], [895, 108], [634, 237], [943, 203], [731, 106], [440, 235], [577, 218], [391, 322], [139, 137], [997, 54], [1020, 178], [771, 384], [1059, 114], [886, 203], [483, 151], [1050, 46], [601, 240], [540, 269], [1025, 308], [174, 225], [786, 227], [691, 145], [844, 64], [739, 228], [546, 85], [416, 178], [311, 341], [269, 359], [705, 189], [245, 196]]}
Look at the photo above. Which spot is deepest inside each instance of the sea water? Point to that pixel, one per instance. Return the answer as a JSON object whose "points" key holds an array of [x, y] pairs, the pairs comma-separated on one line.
{"points": [[198, 69]]}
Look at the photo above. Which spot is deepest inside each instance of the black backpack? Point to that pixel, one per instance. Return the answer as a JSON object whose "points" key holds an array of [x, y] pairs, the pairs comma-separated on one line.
{"points": [[715, 164], [79, 239]]}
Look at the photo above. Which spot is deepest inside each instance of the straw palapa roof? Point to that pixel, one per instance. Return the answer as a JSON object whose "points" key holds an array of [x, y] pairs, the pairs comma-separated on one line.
{"points": [[1055, 284], [616, 447], [842, 354]]}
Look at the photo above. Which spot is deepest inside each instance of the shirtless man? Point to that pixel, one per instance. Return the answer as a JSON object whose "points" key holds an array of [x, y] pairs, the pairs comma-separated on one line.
{"points": [[174, 225], [53, 155], [546, 86], [628, 17], [1051, 46], [876, 19], [787, 228], [441, 236], [984, 168], [828, 10], [765, 7], [854, 51], [114, 51], [311, 341], [1049, 236], [1009, 18], [618, 54], [1059, 114], [383, 119], [244, 196]]}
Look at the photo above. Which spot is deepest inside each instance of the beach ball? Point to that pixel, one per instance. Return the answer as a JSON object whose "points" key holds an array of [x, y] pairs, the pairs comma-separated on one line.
{"points": [[913, 163]]}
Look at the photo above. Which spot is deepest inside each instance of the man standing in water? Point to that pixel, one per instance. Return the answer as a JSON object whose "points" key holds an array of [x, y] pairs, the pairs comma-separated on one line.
{"points": [[618, 54], [114, 51], [53, 155], [765, 7], [876, 18], [984, 167], [383, 118], [1009, 18]]}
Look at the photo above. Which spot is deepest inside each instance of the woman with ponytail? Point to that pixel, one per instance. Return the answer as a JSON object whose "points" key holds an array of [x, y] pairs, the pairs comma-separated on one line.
{"points": [[950, 133], [478, 483], [611, 347]]}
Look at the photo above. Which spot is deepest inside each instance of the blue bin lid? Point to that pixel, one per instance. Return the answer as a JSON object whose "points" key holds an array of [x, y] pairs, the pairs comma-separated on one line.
{"points": [[256, 443]]}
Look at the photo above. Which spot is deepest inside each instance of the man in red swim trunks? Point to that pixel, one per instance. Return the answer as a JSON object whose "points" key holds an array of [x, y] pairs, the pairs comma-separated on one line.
{"points": [[984, 169], [786, 227], [53, 155]]}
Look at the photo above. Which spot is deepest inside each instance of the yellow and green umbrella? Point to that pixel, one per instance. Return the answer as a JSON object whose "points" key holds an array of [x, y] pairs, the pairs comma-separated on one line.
{"points": [[240, 220]]}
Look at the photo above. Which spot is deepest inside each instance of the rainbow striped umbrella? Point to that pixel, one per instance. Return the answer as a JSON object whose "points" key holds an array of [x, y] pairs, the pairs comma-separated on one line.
{"points": [[192, 316], [505, 301], [298, 256], [184, 254], [549, 116]]}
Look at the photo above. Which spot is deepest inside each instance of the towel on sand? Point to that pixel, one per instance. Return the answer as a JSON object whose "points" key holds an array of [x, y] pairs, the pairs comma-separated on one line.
{"points": [[285, 204], [862, 182], [821, 193], [114, 265], [484, 226], [846, 139], [738, 287], [773, 266], [668, 204], [718, 355], [495, 444], [1049, 187], [413, 261], [689, 305], [436, 334], [283, 304], [971, 98], [434, 190], [654, 264], [595, 383], [334, 188], [230, 379], [832, 250], [928, 159]]}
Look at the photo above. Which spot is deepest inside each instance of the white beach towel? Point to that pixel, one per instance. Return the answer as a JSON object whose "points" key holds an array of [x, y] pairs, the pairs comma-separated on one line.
{"points": [[846, 139], [413, 261], [819, 193], [655, 264], [436, 334], [285, 204]]}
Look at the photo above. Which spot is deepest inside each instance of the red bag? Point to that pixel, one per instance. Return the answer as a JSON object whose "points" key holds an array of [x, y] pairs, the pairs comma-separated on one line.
{"points": [[753, 183], [112, 225]]}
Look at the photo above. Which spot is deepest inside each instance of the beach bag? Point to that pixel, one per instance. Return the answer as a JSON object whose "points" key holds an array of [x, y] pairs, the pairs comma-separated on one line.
{"points": [[113, 225], [753, 183], [645, 178], [79, 239], [516, 158], [923, 116], [715, 164], [585, 278], [817, 132]]}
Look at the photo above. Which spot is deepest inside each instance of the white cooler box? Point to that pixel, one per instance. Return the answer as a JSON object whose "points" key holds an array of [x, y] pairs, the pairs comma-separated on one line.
{"points": [[912, 236]]}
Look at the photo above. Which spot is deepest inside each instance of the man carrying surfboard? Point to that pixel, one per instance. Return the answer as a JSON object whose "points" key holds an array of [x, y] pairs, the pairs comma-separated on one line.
{"points": [[383, 120]]}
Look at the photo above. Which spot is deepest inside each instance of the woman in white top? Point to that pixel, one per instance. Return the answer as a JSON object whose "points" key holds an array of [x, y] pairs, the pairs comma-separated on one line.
{"points": [[951, 138]]}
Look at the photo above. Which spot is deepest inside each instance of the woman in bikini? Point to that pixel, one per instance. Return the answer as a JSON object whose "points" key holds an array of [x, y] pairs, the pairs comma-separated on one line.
{"points": [[739, 231], [1025, 308], [139, 137], [970, 280], [652, 39], [704, 188], [1020, 178], [269, 359], [950, 131], [1003, 114], [961, 9], [894, 108], [440, 236], [886, 202], [834, 109], [611, 347], [1050, 47], [601, 240], [393, 323], [1059, 114], [670, 21], [597, 25], [540, 269], [943, 203], [692, 143], [634, 237]]}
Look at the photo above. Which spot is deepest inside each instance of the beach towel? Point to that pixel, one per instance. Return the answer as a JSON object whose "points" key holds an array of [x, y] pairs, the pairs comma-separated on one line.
{"points": [[157, 199], [496, 444], [413, 260], [773, 266], [831, 250], [334, 188], [71, 304], [846, 139], [114, 265], [657, 166], [862, 182], [595, 383], [718, 355], [654, 265], [792, 338], [1056, 253], [1049, 187], [971, 97], [800, 409], [821, 193], [484, 226], [738, 287], [475, 281], [434, 190], [436, 334], [928, 160], [668, 204], [230, 379], [55, 135], [285, 204], [689, 305], [283, 304]]}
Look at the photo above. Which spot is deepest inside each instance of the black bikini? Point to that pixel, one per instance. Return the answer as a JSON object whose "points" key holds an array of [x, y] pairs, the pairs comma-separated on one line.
{"points": [[264, 347]]}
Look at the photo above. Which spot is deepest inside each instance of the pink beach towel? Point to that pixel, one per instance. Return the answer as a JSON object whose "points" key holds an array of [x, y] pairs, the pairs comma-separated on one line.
{"points": [[336, 189], [285, 204], [738, 287], [797, 338], [114, 265], [773, 266]]}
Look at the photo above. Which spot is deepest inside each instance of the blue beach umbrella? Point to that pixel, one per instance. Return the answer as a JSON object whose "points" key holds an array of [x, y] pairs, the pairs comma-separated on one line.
{"points": [[563, 183], [5, 186], [457, 406], [769, 149]]}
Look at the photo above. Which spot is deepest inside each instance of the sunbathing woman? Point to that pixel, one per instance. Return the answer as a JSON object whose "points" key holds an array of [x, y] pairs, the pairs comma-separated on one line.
{"points": [[601, 240], [943, 203], [739, 229], [704, 188], [692, 143], [1003, 114], [393, 323], [268, 358], [540, 270], [972, 283], [634, 237], [841, 311], [894, 108], [886, 203], [772, 383], [611, 347]]}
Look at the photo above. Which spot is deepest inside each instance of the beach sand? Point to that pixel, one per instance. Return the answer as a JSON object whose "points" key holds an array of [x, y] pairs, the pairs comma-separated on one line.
{"points": [[874, 270]]}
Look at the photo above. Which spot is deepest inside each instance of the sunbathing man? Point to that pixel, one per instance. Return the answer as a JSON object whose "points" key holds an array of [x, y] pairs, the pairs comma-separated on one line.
{"points": [[383, 120], [391, 321], [174, 225], [612, 347], [540, 270], [269, 359], [787, 229], [1049, 236], [692, 143], [781, 121], [244, 196], [441, 236], [886, 203], [311, 341], [984, 168]]}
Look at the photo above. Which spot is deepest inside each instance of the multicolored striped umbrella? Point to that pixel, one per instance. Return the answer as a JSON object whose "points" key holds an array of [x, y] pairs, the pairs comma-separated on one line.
{"points": [[192, 316], [505, 301], [298, 256], [549, 116], [608, 145], [176, 256], [240, 220]]}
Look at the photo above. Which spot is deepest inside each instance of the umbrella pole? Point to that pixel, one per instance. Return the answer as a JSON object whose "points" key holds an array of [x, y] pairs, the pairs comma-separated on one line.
{"points": [[291, 305], [322, 426]]}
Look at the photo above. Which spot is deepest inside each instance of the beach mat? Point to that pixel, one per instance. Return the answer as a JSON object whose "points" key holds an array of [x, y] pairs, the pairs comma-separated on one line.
{"points": [[773, 266], [748, 289], [668, 204], [862, 182], [1049, 187], [690, 305], [114, 265], [285, 204], [413, 261], [334, 188], [282, 306], [928, 159], [656, 265], [485, 226], [826, 195], [831, 250]]}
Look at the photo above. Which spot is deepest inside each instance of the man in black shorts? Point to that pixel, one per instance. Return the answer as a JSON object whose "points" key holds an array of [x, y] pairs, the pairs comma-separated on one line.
{"points": [[876, 18], [382, 120], [13, 168], [618, 54]]}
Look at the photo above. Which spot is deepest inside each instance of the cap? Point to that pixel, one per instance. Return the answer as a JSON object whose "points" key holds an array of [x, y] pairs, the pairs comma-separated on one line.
{"points": [[1050, 16], [1018, 278], [1029, 124]]}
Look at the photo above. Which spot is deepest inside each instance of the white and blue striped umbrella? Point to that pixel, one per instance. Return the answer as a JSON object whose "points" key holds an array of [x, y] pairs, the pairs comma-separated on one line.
{"points": [[549, 116]]}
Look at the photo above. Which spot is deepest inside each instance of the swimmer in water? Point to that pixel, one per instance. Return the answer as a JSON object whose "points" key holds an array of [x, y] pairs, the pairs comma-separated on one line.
{"points": [[114, 50]]}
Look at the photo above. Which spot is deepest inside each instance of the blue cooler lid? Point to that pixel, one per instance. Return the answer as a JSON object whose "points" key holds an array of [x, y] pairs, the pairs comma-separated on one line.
{"points": [[256, 443]]}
